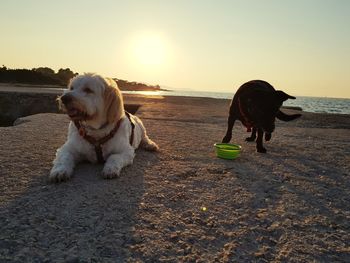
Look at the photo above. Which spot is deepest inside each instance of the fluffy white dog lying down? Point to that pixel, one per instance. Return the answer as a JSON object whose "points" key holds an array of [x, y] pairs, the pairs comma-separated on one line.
{"points": [[100, 129]]}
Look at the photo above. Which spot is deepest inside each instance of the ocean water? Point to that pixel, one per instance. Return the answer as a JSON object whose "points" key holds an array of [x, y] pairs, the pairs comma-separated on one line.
{"points": [[309, 104]]}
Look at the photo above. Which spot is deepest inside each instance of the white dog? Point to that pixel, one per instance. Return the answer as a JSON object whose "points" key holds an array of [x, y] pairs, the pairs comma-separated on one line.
{"points": [[100, 129]]}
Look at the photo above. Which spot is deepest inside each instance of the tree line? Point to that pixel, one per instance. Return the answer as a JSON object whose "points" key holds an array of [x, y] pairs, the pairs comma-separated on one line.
{"points": [[37, 76], [47, 76], [136, 86]]}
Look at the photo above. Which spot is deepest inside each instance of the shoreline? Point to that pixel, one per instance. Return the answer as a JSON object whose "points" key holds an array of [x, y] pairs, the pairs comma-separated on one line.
{"points": [[303, 102], [147, 99], [19, 104]]}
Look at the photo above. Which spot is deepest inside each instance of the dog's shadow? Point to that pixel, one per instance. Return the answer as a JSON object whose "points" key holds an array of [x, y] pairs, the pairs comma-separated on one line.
{"points": [[86, 218]]}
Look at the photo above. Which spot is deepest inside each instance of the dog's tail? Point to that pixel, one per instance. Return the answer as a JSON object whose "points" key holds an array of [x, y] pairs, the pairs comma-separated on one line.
{"points": [[285, 117]]}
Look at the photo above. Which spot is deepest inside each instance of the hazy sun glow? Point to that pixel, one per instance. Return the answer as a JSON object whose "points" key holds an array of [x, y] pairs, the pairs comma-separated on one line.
{"points": [[149, 50]]}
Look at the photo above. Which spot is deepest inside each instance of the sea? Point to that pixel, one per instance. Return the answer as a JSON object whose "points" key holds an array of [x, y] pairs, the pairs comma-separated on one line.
{"points": [[308, 104]]}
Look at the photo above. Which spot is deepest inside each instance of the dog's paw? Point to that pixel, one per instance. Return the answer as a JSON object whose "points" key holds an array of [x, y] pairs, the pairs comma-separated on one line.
{"points": [[59, 175], [226, 139], [110, 173], [250, 139], [267, 136], [261, 150]]}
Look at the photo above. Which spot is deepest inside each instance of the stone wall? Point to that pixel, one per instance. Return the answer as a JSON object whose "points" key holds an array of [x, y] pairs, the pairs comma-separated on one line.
{"points": [[20, 104], [14, 105]]}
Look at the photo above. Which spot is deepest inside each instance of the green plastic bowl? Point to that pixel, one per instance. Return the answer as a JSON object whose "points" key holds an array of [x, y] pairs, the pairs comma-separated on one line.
{"points": [[227, 150]]}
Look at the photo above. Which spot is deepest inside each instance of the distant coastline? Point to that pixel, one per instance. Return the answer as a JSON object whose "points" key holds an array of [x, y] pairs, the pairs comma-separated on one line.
{"points": [[44, 77], [123, 85], [47, 80], [308, 104]]}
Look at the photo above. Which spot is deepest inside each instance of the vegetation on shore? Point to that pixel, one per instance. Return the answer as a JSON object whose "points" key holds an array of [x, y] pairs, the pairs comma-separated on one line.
{"points": [[47, 76]]}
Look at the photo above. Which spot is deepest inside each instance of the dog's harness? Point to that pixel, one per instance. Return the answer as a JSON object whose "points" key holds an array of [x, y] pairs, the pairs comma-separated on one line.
{"points": [[245, 120], [97, 143]]}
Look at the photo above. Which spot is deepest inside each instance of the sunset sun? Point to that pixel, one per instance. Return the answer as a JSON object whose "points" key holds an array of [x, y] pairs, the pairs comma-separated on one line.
{"points": [[149, 50]]}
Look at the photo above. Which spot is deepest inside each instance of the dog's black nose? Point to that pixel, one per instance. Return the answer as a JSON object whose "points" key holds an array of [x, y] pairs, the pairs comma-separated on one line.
{"points": [[66, 98]]}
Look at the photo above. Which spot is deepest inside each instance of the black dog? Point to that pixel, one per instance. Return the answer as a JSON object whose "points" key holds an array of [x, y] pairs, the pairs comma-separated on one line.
{"points": [[256, 104]]}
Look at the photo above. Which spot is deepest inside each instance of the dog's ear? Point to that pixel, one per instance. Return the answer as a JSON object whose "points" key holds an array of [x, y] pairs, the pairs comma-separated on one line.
{"points": [[113, 100], [282, 96]]}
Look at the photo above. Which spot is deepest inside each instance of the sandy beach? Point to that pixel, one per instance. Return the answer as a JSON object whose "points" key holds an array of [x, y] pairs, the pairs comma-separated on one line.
{"points": [[182, 204]]}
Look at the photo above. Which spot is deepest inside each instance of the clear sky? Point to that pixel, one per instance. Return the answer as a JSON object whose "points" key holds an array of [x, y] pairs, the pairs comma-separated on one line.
{"points": [[299, 46]]}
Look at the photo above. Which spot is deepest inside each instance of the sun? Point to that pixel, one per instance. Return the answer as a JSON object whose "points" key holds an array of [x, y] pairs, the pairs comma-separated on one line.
{"points": [[149, 50]]}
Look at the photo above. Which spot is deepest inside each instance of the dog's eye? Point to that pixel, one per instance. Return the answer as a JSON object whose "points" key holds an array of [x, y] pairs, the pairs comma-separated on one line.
{"points": [[88, 91], [71, 88]]}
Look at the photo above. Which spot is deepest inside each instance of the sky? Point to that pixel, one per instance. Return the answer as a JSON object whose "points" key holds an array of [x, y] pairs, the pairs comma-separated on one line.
{"points": [[299, 46]]}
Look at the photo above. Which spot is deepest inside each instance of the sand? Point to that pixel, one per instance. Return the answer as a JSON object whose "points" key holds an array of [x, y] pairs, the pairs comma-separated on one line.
{"points": [[182, 204]]}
